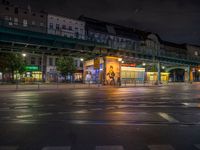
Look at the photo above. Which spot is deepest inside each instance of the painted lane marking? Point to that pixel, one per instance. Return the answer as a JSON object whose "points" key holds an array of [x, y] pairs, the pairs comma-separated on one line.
{"points": [[160, 147], [197, 146], [24, 116], [124, 113], [75, 112], [45, 114], [94, 109], [114, 147], [8, 147], [21, 107], [168, 117], [191, 104], [108, 108], [57, 148]]}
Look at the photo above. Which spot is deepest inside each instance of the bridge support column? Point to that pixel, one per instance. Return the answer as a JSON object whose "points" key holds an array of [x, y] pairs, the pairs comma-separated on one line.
{"points": [[159, 74], [188, 70]]}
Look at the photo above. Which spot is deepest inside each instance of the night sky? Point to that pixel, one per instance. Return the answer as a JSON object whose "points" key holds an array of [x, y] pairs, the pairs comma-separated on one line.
{"points": [[174, 20]]}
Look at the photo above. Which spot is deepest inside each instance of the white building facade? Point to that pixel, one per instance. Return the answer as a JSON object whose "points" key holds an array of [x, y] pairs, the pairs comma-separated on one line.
{"points": [[63, 26], [52, 74]]}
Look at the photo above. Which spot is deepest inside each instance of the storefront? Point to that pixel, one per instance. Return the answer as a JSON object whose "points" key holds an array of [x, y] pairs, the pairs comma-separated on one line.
{"points": [[132, 74], [195, 74], [1, 76], [153, 76], [93, 72], [78, 76], [110, 70], [32, 74]]}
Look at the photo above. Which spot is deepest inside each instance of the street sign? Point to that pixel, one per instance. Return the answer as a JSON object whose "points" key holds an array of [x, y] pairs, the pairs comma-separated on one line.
{"points": [[97, 63]]}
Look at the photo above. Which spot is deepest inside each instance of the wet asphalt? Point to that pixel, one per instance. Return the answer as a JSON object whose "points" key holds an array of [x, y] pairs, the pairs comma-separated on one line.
{"points": [[138, 118]]}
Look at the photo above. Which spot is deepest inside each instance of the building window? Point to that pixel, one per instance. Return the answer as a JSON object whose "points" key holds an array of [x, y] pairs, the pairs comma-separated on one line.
{"points": [[16, 21], [76, 63], [25, 23], [41, 24], [51, 26], [70, 27], [16, 10], [10, 23], [196, 53], [64, 27], [56, 61], [6, 18], [32, 60], [50, 61], [40, 61], [57, 26], [33, 23]]}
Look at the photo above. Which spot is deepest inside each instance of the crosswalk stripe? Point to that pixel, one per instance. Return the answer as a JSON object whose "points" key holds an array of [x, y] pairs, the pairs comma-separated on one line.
{"points": [[57, 148], [8, 147], [168, 117], [114, 147], [197, 146], [160, 147]]}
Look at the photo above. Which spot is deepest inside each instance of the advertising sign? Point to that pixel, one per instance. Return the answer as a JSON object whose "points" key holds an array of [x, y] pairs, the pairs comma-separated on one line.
{"points": [[97, 63], [112, 70]]}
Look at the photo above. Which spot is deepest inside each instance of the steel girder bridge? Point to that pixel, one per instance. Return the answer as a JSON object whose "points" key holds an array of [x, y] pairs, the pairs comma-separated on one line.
{"points": [[17, 40]]}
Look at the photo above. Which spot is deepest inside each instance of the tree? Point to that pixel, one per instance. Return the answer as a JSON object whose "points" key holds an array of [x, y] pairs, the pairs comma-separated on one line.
{"points": [[11, 63], [3, 64], [16, 64], [65, 65]]}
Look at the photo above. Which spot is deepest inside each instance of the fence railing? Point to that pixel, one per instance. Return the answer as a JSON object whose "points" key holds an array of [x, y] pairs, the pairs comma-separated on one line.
{"points": [[18, 85]]}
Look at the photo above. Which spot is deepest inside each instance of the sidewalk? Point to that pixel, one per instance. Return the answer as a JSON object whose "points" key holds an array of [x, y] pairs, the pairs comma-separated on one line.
{"points": [[44, 86]]}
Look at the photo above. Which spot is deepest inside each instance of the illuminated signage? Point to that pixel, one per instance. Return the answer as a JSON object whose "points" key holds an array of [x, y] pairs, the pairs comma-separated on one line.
{"points": [[128, 65], [32, 68], [132, 69]]}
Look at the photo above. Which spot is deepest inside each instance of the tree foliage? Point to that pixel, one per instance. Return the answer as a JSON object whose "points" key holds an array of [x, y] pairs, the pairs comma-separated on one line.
{"points": [[65, 65], [11, 63]]}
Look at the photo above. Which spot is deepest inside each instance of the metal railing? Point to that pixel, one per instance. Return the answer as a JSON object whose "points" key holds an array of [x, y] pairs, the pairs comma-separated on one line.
{"points": [[18, 85]]}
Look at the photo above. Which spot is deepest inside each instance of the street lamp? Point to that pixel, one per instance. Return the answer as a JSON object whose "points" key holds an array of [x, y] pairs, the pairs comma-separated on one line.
{"points": [[82, 59], [119, 59], [122, 62], [143, 64], [24, 54], [163, 67]]}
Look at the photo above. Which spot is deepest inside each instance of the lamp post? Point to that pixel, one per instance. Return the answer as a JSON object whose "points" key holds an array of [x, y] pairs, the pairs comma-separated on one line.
{"points": [[81, 59], [119, 77], [17, 80]]}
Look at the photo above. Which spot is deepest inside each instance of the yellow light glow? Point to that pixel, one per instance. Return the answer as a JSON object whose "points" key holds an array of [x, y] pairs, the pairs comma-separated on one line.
{"points": [[119, 59], [132, 69]]}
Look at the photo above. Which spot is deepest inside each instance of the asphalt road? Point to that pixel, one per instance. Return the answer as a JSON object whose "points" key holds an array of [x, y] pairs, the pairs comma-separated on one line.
{"points": [[142, 118]]}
